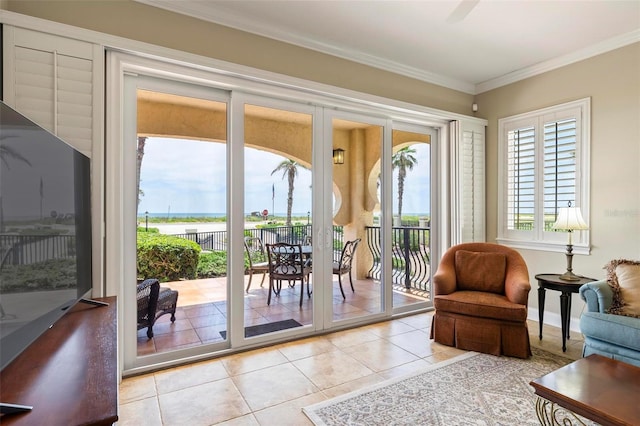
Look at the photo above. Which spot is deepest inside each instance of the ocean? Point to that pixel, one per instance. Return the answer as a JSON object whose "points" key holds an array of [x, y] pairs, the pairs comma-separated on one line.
{"points": [[178, 215]]}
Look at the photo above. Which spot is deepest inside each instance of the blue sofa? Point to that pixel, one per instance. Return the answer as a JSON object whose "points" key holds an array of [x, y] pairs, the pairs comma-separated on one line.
{"points": [[613, 336]]}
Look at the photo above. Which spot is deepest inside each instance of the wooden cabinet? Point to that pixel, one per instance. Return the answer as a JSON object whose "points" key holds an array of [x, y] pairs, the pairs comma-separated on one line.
{"points": [[69, 374]]}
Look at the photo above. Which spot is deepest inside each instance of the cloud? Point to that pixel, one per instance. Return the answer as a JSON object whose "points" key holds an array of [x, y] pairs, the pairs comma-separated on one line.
{"points": [[188, 176]]}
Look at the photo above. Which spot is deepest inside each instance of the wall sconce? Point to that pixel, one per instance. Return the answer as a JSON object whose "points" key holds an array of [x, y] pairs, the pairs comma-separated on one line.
{"points": [[338, 156], [570, 219]]}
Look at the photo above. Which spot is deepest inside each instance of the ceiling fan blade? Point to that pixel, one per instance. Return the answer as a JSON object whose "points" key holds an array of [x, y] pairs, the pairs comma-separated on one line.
{"points": [[462, 10]]}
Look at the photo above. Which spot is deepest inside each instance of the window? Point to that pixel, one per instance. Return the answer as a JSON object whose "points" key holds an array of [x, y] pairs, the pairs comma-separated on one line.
{"points": [[544, 159]]}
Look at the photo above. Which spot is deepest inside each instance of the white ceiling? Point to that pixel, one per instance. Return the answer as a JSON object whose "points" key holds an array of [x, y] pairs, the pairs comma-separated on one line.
{"points": [[468, 45]]}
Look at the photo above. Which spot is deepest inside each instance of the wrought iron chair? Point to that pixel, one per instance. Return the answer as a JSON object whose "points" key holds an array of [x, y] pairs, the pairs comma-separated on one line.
{"points": [[343, 266], [153, 302], [307, 241], [287, 263], [258, 261]]}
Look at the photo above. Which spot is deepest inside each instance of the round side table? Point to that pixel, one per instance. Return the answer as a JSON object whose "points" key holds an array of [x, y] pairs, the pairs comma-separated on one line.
{"points": [[553, 282]]}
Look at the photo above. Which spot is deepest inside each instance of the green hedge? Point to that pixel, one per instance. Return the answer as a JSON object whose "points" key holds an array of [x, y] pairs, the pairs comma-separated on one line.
{"points": [[166, 257], [57, 274], [152, 230], [212, 264]]}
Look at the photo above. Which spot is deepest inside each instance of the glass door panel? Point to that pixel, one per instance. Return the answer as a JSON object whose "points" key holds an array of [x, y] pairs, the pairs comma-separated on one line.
{"points": [[411, 206], [357, 249], [181, 214], [278, 145]]}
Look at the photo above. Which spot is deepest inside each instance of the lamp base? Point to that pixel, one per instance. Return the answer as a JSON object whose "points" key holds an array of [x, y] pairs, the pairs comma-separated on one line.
{"points": [[569, 276]]}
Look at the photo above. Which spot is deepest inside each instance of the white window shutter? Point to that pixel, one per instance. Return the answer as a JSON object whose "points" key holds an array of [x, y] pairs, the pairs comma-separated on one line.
{"points": [[52, 81], [469, 154]]}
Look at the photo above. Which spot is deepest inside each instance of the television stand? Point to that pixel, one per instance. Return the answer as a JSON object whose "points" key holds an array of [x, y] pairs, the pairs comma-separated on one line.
{"points": [[69, 374], [14, 408]]}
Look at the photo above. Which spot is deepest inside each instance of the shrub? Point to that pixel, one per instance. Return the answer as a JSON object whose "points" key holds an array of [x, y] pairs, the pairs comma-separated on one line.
{"points": [[152, 230], [212, 264], [56, 274], [166, 257]]}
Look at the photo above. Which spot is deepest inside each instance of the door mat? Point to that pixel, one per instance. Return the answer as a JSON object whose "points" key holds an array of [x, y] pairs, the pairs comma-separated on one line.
{"points": [[256, 330]]}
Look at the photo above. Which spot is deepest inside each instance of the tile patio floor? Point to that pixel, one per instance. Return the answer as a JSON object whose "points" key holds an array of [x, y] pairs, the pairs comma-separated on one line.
{"points": [[201, 313]]}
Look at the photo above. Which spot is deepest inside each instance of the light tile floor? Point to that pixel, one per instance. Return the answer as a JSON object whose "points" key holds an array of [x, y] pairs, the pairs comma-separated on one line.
{"points": [[269, 386]]}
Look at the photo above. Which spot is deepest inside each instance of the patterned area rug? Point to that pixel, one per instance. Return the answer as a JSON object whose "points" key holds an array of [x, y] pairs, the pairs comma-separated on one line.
{"points": [[471, 389]]}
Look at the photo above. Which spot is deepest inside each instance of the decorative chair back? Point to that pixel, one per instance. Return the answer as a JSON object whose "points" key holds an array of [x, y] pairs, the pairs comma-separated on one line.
{"points": [[285, 261], [255, 251], [348, 251]]}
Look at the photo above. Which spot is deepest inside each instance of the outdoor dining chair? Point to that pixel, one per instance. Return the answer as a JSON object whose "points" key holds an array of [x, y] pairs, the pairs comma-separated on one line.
{"points": [[344, 265], [258, 261], [286, 262]]}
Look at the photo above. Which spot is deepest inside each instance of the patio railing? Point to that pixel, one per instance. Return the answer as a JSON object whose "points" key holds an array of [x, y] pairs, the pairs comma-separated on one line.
{"points": [[29, 249], [296, 234], [410, 262]]}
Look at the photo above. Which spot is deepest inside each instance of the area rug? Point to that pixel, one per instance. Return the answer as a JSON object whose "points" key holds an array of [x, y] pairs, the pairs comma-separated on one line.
{"points": [[471, 389], [270, 327]]}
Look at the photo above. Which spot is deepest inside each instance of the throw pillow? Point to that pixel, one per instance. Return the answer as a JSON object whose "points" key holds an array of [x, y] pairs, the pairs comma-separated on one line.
{"points": [[480, 271], [623, 276]]}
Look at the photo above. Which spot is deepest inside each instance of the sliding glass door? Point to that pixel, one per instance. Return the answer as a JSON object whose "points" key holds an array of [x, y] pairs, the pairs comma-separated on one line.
{"points": [[177, 208], [278, 217], [357, 258], [411, 207]]}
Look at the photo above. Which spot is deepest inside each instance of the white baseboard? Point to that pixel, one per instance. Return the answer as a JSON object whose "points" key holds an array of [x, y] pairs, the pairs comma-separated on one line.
{"points": [[553, 319]]}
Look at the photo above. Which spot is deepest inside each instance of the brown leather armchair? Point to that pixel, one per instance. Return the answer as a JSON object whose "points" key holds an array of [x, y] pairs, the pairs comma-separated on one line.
{"points": [[481, 292]]}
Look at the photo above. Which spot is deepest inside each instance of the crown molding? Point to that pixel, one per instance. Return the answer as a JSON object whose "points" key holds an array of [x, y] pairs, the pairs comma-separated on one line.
{"points": [[255, 27], [559, 62]]}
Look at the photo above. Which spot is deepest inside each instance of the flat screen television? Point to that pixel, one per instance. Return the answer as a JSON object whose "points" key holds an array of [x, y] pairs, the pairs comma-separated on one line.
{"points": [[45, 231]]}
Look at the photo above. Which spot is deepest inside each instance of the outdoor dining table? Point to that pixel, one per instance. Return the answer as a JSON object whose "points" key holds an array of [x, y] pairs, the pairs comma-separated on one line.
{"points": [[307, 250]]}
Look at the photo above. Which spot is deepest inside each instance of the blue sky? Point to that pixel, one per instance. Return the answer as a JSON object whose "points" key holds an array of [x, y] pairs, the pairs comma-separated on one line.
{"points": [[187, 176]]}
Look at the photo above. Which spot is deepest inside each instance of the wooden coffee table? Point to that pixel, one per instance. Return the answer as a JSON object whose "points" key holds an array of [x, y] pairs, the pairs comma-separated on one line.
{"points": [[597, 388]]}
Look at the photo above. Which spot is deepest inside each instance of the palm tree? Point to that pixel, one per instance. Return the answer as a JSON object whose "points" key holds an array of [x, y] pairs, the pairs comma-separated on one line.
{"points": [[404, 159], [139, 156], [5, 154], [8, 152], [289, 169]]}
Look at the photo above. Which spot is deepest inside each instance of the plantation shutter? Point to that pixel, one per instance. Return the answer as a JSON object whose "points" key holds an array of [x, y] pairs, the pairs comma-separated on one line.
{"points": [[559, 168], [470, 178], [54, 81], [521, 178]]}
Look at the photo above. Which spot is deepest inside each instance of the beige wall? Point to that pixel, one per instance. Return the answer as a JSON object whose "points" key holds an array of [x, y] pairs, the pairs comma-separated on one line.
{"points": [[612, 80]]}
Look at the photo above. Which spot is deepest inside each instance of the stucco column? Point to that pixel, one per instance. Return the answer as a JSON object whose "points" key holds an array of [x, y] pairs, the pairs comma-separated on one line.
{"points": [[360, 217]]}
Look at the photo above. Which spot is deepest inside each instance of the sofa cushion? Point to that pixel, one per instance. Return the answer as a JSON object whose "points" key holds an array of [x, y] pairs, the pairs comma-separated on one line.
{"points": [[624, 278], [480, 271], [481, 304], [616, 330]]}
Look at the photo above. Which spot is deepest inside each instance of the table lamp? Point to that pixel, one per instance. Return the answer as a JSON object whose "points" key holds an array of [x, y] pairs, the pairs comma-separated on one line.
{"points": [[570, 219]]}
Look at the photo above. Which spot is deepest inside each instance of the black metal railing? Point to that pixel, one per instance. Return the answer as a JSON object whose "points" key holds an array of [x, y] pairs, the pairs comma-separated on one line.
{"points": [[410, 262], [28, 249], [218, 241]]}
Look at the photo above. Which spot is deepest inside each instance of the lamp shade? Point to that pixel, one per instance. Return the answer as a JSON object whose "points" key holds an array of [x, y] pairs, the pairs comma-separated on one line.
{"points": [[570, 219]]}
